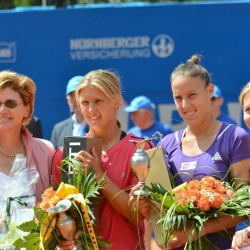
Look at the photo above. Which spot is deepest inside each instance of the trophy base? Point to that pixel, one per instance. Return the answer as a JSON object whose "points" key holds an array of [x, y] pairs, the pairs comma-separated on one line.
{"points": [[142, 192], [77, 248]]}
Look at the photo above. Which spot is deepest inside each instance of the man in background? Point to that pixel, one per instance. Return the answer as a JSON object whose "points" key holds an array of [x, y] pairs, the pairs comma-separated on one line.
{"points": [[74, 125], [143, 115], [217, 102]]}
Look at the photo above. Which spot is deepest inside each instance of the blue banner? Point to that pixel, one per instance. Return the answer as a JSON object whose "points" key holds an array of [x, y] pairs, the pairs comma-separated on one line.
{"points": [[142, 43]]}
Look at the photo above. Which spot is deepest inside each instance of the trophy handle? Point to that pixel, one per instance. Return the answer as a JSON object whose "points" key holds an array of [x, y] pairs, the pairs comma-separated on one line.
{"points": [[61, 206], [140, 144]]}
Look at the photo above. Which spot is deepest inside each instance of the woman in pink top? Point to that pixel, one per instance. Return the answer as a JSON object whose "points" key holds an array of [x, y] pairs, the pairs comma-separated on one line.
{"points": [[24, 161], [99, 98]]}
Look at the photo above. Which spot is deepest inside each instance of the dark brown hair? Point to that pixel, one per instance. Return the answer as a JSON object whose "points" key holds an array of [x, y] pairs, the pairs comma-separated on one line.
{"points": [[192, 68]]}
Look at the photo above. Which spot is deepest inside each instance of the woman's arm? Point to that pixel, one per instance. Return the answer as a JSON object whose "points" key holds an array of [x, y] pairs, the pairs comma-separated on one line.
{"points": [[132, 207], [212, 226], [118, 198], [240, 171]]}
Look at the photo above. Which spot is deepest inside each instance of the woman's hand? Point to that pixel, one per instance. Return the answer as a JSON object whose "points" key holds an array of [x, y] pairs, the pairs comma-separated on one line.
{"points": [[69, 245], [88, 161], [179, 239], [139, 203], [241, 239], [66, 245]]}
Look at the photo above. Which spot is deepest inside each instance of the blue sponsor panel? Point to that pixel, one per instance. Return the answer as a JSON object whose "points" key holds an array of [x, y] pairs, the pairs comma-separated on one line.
{"points": [[143, 43]]}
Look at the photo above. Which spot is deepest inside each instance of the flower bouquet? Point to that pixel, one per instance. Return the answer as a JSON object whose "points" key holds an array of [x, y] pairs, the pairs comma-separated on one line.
{"points": [[64, 213], [192, 204]]}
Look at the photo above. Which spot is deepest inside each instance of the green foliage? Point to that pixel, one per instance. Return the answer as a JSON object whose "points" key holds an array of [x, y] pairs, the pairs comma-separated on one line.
{"points": [[86, 184]]}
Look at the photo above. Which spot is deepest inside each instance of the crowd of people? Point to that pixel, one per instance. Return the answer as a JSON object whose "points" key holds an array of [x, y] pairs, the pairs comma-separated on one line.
{"points": [[210, 139]]}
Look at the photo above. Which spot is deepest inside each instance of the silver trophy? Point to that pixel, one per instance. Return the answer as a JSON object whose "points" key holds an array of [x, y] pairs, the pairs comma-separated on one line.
{"points": [[140, 165], [65, 224], [141, 162]]}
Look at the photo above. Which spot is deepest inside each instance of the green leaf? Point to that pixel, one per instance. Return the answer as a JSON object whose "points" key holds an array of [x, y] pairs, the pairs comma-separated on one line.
{"points": [[30, 242], [29, 226]]}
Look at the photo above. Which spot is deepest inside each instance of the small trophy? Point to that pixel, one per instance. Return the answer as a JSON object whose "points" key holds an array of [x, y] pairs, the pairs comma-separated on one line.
{"points": [[66, 225], [140, 165]]}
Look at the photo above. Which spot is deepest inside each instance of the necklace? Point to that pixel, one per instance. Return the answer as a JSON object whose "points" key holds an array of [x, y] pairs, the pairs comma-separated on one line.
{"points": [[112, 143], [12, 154], [208, 133]]}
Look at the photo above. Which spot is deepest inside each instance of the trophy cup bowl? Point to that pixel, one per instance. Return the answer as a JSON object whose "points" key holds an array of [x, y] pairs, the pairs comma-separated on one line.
{"points": [[65, 224], [140, 165]]}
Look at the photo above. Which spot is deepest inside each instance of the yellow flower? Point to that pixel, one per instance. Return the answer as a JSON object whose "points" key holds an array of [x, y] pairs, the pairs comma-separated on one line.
{"points": [[65, 190]]}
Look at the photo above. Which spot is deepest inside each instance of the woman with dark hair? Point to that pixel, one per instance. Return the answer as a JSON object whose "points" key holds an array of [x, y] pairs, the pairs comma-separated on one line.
{"points": [[206, 147]]}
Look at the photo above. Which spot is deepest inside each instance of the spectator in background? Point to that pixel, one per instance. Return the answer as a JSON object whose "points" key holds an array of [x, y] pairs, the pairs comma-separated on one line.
{"points": [[74, 125], [143, 115], [217, 102], [35, 127]]}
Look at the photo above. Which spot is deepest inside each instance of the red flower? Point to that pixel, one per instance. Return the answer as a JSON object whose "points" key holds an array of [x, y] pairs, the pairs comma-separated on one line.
{"points": [[49, 199], [216, 200], [203, 203], [204, 194], [207, 181]]}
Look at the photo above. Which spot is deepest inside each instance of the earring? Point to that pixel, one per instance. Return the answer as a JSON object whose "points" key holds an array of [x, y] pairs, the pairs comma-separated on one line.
{"points": [[24, 120]]}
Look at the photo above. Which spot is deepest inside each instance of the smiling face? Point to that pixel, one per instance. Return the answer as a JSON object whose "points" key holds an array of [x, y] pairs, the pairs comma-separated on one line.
{"points": [[192, 98], [12, 117], [98, 110], [246, 109]]}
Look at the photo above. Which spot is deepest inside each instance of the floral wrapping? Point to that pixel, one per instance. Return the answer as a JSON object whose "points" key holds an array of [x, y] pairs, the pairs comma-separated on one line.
{"points": [[17, 206]]}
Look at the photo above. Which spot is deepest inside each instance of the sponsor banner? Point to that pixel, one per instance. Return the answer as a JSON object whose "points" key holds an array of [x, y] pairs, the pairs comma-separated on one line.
{"points": [[142, 44]]}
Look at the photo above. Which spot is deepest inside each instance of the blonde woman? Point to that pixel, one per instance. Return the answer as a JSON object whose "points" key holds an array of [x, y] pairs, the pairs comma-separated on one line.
{"points": [[99, 98], [242, 237]]}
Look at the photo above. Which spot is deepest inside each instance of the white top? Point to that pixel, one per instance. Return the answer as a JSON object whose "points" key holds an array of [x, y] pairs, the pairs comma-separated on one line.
{"points": [[18, 183]]}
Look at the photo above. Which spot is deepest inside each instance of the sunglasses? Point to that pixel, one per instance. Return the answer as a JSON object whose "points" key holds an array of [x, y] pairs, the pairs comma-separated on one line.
{"points": [[10, 104]]}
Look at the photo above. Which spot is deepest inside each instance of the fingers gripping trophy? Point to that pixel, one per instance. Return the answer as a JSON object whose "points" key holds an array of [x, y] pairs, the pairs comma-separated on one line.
{"points": [[141, 162]]}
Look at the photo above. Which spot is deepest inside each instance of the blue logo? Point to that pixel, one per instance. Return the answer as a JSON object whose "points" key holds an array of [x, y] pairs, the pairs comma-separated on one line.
{"points": [[163, 46], [7, 52]]}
